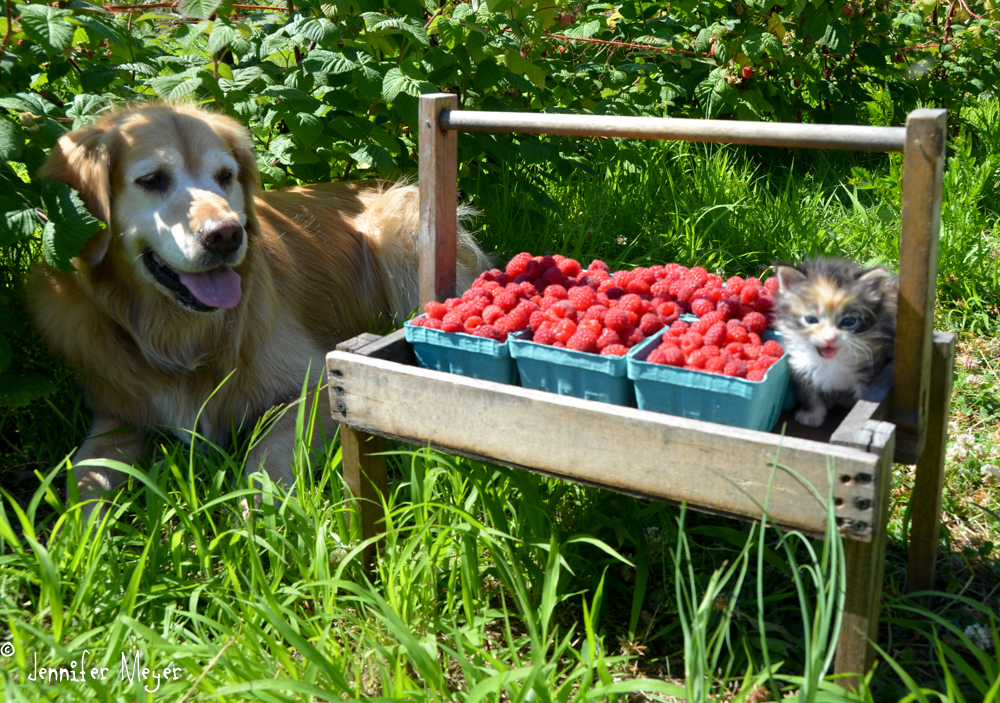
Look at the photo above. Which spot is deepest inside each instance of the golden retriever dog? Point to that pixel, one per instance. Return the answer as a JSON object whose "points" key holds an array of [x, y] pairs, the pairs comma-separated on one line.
{"points": [[200, 274]]}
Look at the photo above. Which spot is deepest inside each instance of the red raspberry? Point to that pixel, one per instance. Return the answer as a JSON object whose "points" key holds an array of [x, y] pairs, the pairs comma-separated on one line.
{"points": [[517, 319], [592, 325], [701, 326], [734, 286], [698, 274], [755, 322], [656, 357], [431, 323], [564, 330], [650, 324], [660, 288], [752, 351], [735, 350], [617, 320], [564, 309], [556, 291], [614, 350], [613, 292], [472, 322], [737, 333], [490, 332], [631, 302], [715, 364], [744, 311], [735, 368], [570, 267], [554, 276], [764, 303], [596, 312], [756, 375], [668, 312], [582, 340], [712, 281], [582, 297], [491, 313], [772, 348], [505, 301], [691, 341], [772, 284], [678, 328], [632, 336], [536, 319], [452, 303], [702, 306], [452, 317], [685, 291], [714, 294], [754, 281], [748, 295], [607, 338], [713, 317], [672, 356], [545, 335], [711, 350], [697, 358], [754, 338], [728, 308], [638, 287], [764, 362], [436, 310], [597, 264], [716, 335]]}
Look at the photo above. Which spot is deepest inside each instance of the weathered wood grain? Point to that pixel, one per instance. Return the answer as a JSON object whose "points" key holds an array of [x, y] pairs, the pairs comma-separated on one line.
{"points": [[874, 405], [925, 503], [366, 476], [650, 454], [438, 199], [923, 168], [850, 137], [865, 566]]}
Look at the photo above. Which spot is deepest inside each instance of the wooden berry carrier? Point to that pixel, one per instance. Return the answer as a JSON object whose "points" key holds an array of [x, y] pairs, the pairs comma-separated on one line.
{"points": [[378, 391]]}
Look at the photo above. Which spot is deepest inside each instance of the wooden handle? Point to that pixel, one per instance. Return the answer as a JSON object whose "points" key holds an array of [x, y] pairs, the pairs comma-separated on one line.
{"points": [[438, 199]]}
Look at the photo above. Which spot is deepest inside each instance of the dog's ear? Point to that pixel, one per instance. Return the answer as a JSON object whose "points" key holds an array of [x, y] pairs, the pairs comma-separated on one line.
{"points": [[82, 159]]}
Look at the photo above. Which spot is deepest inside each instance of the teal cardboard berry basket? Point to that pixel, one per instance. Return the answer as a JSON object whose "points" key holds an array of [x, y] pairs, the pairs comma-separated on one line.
{"points": [[700, 395], [462, 354], [567, 372]]}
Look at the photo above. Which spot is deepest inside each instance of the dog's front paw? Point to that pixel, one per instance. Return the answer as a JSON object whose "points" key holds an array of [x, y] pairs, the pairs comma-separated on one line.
{"points": [[812, 418]]}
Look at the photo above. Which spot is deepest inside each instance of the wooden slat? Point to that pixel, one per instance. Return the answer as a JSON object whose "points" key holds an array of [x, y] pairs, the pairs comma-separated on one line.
{"points": [[923, 167], [925, 503], [874, 405], [366, 476], [865, 567], [355, 343], [643, 453], [438, 199], [849, 137]]}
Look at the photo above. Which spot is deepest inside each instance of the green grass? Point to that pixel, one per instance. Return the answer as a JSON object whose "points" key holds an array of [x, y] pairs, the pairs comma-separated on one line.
{"points": [[496, 584]]}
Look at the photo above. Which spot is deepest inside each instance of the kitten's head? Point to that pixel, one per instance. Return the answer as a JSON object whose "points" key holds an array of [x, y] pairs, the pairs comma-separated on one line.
{"points": [[835, 306]]}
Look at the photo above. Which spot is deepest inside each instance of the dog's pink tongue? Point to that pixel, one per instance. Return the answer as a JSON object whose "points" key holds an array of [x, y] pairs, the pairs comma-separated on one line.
{"points": [[218, 288]]}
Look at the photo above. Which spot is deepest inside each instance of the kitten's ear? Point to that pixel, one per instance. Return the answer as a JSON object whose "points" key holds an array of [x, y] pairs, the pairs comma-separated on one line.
{"points": [[874, 279], [788, 276]]}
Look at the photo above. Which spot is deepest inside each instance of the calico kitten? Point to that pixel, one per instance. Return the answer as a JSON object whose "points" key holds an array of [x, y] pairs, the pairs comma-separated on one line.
{"points": [[839, 325]]}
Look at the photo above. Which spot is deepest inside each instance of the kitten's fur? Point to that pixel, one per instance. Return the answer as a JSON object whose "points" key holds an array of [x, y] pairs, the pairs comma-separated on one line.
{"points": [[839, 325]]}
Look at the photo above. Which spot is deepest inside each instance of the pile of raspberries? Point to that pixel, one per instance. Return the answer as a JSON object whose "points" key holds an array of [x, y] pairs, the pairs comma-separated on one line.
{"points": [[596, 311]]}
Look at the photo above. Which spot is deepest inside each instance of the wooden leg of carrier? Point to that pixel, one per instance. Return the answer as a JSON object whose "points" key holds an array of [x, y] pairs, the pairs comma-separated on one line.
{"points": [[366, 478], [865, 569], [925, 503]]}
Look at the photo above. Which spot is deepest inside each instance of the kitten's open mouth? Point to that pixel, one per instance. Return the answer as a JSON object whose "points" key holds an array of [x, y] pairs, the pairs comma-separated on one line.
{"points": [[828, 352], [203, 291]]}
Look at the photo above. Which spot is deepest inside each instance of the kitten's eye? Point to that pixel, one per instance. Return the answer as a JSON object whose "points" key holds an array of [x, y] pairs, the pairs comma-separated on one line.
{"points": [[225, 177], [157, 181], [850, 323], [810, 320]]}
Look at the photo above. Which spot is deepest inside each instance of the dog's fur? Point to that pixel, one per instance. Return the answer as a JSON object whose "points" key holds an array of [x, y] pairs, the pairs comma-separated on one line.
{"points": [[317, 264]]}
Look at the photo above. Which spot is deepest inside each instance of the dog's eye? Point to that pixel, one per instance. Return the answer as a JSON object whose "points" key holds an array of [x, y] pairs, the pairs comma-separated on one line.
{"points": [[156, 181], [225, 177]]}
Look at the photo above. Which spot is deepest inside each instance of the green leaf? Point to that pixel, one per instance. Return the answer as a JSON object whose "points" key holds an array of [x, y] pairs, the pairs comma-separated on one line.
{"points": [[95, 78], [389, 142], [321, 61], [319, 30], [17, 391], [836, 37], [202, 9], [870, 55], [221, 37], [11, 140], [69, 227], [305, 127], [374, 155], [49, 26], [753, 47], [585, 30], [18, 222], [100, 28], [352, 128], [379, 24], [86, 108], [395, 83], [175, 87], [451, 33]]}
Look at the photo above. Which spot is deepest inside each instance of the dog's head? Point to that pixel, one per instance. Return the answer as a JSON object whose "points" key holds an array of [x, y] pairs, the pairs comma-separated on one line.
{"points": [[175, 186]]}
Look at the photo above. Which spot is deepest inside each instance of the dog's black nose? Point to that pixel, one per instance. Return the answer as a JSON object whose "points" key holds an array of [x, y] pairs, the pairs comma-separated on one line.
{"points": [[221, 236]]}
